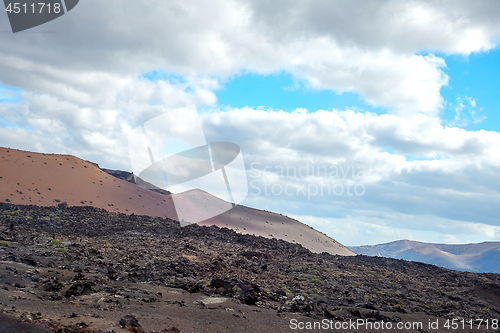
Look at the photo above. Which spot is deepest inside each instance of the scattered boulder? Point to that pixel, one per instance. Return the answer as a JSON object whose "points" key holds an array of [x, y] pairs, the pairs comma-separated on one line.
{"points": [[78, 276], [79, 288], [131, 323], [30, 316], [246, 293], [222, 287], [111, 273], [172, 329], [257, 271], [52, 284]]}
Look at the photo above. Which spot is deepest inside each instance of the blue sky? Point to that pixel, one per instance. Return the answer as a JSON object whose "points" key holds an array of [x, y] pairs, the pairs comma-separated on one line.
{"points": [[280, 91], [9, 94], [433, 141], [472, 79], [476, 76]]}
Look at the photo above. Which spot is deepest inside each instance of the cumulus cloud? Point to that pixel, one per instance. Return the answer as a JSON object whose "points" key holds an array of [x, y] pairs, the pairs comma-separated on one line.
{"points": [[368, 48], [365, 226], [84, 80], [327, 152], [405, 27], [93, 122]]}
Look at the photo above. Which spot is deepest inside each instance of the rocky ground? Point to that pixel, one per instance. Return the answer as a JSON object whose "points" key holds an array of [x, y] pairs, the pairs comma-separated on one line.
{"points": [[83, 269]]}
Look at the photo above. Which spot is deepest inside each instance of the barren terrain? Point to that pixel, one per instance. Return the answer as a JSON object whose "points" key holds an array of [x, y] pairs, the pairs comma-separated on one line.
{"points": [[47, 180], [93, 269]]}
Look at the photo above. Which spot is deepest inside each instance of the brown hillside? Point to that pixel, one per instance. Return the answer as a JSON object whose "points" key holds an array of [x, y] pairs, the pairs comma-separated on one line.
{"points": [[48, 179]]}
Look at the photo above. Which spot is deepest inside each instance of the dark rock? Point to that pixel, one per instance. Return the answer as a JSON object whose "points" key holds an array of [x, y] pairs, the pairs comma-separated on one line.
{"points": [[52, 284], [63, 205], [172, 329], [284, 276], [280, 292], [79, 288], [30, 316], [111, 273], [29, 261], [369, 306], [246, 293], [131, 323], [222, 287], [196, 288], [55, 296]]}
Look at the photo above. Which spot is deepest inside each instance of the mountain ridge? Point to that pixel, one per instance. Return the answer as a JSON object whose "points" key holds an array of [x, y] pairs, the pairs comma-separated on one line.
{"points": [[473, 257]]}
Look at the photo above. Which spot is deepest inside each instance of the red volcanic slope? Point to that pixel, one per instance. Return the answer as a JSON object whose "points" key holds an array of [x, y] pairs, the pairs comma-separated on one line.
{"points": [[47, 179], [256, 222]]}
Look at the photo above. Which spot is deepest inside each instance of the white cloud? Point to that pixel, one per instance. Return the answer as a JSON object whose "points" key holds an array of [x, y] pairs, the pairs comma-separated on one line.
{"points": [[356, 46], [466, 111], [93, 122], [82, 92], [404, 26], [454, 176], [365, 229], [457, 177]]}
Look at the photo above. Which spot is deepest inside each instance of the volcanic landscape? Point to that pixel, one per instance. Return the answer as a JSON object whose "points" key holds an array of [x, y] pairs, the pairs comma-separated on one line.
{"points": [[84, 251]]}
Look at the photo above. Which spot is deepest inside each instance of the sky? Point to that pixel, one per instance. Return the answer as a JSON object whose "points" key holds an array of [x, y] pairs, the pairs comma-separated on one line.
{"points": [[371, 121]]}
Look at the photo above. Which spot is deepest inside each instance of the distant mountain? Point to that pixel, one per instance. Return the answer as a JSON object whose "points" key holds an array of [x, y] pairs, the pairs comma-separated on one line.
{"points": [[28, 178], [477, 257]]}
